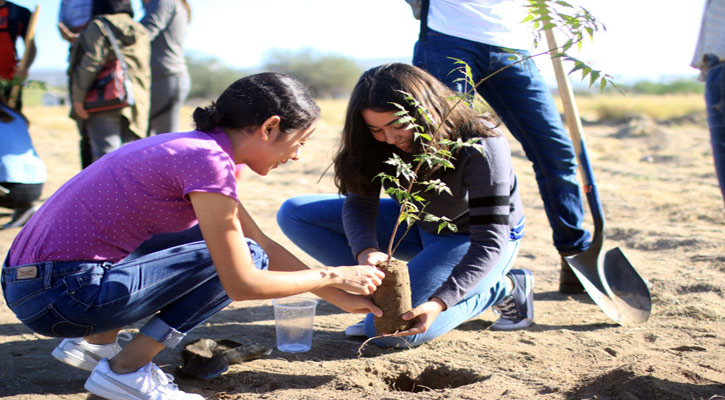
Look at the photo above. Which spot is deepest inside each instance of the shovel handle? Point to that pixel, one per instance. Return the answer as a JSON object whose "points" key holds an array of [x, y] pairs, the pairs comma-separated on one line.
{"points": [[571, 112], [573, 121]]}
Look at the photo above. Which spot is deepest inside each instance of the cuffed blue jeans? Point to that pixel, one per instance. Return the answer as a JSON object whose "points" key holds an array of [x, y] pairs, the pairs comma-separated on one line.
{"points": [[521, 98], [170, 276], [314, 223], [715, 102]]}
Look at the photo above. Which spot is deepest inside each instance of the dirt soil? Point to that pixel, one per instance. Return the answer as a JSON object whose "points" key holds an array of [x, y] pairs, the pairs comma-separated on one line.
{"points": [[662, 207]]}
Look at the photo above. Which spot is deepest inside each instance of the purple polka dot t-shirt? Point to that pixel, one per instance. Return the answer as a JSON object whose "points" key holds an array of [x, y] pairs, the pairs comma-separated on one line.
{"points": [[108, 209]]}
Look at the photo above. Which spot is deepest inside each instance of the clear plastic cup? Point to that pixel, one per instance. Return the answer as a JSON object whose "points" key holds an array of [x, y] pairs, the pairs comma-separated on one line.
{"points": [[294, 318]]}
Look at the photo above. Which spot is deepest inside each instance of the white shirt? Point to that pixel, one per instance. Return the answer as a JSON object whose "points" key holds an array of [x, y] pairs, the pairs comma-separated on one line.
{"points": [[494, 22], [712, 33]]}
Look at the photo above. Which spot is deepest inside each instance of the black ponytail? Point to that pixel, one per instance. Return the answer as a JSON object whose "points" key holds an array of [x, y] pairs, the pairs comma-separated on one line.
{"points": [[250, 101], [206, 118]]}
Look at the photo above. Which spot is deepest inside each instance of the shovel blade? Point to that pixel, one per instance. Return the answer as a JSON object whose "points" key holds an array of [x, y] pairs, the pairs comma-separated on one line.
{"points": [[585, 266], [613, 283], [628, 289]]}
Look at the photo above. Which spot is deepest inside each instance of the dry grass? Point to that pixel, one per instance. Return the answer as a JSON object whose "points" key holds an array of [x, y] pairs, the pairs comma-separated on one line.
{"points": [[616, 106]]}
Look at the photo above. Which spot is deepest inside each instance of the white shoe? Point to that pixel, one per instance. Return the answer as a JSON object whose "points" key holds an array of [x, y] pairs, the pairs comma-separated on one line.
{"points": [[148, 383], [356, 330], [78, 353]]}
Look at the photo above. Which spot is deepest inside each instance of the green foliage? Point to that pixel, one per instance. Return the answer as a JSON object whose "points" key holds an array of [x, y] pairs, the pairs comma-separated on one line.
{"points": [[32, 90], [209, 77], [575, 24], [328, 75], [680, 86]]}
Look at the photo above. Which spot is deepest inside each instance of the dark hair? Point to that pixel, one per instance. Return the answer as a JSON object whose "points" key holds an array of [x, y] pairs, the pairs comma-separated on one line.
{"points": [[360, 157], [101, 7], [250, 101]]}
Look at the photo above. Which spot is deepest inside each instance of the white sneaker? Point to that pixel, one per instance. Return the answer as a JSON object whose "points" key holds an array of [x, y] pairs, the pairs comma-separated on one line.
{"points": [[148, 383], [356, 330], [78, 353]]}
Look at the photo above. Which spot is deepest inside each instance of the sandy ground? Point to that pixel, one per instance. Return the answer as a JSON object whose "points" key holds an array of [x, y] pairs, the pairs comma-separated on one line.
{"points": [[662, 207]]}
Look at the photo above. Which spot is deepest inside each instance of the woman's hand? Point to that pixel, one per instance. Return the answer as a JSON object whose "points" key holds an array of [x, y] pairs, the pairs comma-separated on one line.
{"points": [[356, 304], [359, 279], [79, 110], [423, 316], [371, 256]]}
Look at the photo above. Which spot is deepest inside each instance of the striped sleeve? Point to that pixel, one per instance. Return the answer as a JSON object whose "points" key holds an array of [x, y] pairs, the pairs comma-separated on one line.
{"points": [[489, 181]]}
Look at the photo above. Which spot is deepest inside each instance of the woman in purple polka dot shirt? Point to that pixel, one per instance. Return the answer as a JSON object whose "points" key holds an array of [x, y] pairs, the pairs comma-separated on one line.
{"points": [[155, 229]]}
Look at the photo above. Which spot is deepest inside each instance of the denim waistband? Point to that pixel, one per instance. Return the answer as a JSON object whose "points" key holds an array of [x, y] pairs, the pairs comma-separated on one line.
{"points": [[46, 270]]}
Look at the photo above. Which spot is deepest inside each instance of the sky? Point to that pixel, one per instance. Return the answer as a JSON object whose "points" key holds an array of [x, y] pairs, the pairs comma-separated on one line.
{"points": [[645, 39]]}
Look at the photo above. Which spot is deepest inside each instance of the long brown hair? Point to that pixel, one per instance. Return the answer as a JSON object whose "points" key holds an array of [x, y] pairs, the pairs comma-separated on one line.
{"points": [[360, 157]]}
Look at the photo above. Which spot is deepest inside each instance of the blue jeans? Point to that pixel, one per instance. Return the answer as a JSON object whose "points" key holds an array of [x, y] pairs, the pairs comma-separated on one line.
{"points": [[170, 277], [521, 98], [314, 223], [715, 101]]}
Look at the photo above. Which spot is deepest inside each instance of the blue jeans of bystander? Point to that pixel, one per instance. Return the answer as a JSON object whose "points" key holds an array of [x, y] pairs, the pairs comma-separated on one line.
{"points": [[715, 102], [520, 97]]}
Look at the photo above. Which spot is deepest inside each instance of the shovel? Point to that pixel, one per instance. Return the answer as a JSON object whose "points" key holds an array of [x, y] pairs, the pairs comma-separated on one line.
{"points": [[609, 278]]}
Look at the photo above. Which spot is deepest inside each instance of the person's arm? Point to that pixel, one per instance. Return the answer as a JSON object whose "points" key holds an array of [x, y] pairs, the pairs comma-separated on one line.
{"points": [[222, 222], [359, 218], [29, 56], [66, 33], [157, 17], [32, 51]]}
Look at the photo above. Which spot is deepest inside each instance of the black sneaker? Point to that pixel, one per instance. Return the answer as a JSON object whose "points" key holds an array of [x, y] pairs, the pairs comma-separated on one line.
{"points": [[517, 309]]}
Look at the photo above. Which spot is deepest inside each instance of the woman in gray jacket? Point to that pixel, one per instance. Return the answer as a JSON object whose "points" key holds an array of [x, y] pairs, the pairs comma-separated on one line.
{"points": [[108, 130]]}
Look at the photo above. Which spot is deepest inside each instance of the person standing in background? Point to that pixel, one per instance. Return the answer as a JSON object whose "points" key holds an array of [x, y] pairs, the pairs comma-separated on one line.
{"points": [[14, 21], [72, 18], [481, 33], [165, 21], [710, 60], [109, 130]]}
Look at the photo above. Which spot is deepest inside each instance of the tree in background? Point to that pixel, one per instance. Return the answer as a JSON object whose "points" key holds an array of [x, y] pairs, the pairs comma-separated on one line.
{"points": [[328, 75], [209, 77]]}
